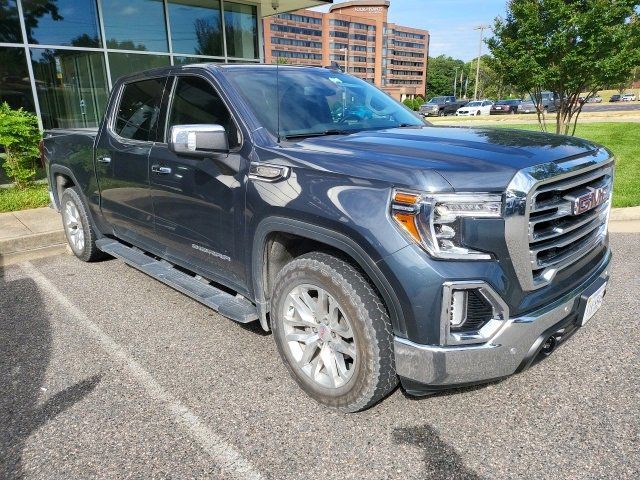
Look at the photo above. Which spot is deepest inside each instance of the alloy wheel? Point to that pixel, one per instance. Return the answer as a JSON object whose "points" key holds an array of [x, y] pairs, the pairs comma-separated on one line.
{"points": [[73, 226], [319, 336]]}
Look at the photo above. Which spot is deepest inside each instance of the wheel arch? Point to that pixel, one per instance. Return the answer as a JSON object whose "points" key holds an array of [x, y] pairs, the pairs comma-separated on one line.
{"points": [[321, 236]]}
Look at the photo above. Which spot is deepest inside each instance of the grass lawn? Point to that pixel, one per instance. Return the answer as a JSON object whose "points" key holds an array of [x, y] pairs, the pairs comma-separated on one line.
{"points": [[623, 139], [12, 199]]}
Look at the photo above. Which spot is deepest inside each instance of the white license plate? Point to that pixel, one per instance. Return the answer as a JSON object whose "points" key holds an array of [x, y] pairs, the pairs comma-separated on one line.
{"points": [[593, 304]]}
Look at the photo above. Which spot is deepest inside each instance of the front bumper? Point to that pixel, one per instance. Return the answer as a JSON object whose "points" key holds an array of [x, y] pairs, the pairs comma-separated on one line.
{"points": [[425, 368]]}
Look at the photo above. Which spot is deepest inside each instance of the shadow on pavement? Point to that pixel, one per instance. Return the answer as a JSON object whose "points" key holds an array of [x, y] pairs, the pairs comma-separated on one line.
{"points": [[25, 351], [441, 459]]}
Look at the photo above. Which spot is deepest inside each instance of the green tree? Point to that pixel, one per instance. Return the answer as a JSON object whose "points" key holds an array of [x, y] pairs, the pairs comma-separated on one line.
{"points": [[568, 47], [441, 73], [19, 136], [491, 85]]}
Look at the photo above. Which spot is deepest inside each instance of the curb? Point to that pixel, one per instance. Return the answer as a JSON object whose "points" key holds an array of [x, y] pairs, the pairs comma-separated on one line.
{"points": [[32, 242], [625, 214]]}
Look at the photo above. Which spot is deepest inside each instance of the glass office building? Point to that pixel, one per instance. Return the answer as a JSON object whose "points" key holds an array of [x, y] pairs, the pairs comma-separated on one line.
{"points": [[59, 58]]}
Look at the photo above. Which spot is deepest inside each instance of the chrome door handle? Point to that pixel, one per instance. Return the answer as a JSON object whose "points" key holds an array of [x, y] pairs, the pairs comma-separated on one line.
{"points": [[160, 170], [104, 160]]}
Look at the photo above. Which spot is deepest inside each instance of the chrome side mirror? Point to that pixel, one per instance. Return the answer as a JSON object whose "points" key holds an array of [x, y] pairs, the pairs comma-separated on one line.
{"points": [[198, 140]]}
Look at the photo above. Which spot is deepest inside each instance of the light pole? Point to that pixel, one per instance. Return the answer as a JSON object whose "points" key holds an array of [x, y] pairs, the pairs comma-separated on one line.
{"points": [[455, 82], [481, 28]]}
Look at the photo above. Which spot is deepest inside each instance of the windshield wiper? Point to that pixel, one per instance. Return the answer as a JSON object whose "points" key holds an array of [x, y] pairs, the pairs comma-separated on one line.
{"points": [[317, 134]]}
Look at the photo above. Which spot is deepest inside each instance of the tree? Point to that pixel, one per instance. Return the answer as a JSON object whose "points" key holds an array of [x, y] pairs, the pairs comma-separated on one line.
{"points": [[441, 72], [491, 85], [568, 47]]}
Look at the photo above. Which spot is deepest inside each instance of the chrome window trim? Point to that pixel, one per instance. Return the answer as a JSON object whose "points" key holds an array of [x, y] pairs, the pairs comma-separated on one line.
{"points": [[489, 330], [518, 197]]}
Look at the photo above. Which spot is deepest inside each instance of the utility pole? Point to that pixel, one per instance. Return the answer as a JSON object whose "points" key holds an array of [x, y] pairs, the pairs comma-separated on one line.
{"points": [[455, 82], [481, 28]]}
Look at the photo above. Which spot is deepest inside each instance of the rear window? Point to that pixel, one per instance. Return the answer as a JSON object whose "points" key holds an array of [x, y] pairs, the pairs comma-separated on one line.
{"points": [[139, 110]]}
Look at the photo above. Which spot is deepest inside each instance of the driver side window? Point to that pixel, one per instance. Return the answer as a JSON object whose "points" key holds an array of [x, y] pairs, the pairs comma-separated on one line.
{"points": [[195, 101]]}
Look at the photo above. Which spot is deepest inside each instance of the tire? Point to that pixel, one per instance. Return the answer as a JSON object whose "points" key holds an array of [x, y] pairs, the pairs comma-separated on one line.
{"points": [[361, 322], [80, 234], [478, 113], [441, 113]]}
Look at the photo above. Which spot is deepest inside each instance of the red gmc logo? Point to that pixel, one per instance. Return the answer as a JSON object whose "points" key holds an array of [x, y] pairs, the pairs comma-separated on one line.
{"points": [[590, 200]]}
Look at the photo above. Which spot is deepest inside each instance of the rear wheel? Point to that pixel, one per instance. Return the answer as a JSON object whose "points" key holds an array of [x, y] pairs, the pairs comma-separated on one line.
{"points": [[80, 234], [333, 332], [441, 113]]}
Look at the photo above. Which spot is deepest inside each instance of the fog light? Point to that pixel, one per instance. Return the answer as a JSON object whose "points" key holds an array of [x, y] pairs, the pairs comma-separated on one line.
{"points": [[458, 309]]}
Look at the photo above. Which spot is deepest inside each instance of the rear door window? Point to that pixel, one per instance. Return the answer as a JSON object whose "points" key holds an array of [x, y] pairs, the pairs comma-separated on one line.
{"points": [[139, 110]]}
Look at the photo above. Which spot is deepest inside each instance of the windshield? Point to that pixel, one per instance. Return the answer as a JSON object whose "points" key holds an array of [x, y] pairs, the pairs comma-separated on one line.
{"points": [[474, 104], [437, 100], [317, 102]]}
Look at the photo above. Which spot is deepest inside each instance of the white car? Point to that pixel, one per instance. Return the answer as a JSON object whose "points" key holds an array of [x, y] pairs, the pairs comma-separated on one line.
{"points": [[628, 97], [477, 107]]}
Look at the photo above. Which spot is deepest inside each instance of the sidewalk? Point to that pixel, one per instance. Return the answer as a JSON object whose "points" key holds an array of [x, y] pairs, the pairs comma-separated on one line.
{"points": [[29, 234]]}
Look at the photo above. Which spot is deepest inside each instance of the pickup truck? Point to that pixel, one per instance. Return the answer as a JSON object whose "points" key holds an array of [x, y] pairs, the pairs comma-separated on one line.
{"points": [[441, 106], [378, 249]]}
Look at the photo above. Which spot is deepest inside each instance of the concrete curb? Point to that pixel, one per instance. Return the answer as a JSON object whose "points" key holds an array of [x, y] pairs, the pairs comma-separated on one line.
{"points": [[32, 242], [625, 214]]}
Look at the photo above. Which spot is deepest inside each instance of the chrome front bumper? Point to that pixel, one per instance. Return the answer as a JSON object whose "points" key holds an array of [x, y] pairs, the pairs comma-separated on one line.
{"points": [[510, 350]]}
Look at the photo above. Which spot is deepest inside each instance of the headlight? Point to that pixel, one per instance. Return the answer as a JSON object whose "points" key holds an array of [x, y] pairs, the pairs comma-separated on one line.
{"points": [[435, 221]]}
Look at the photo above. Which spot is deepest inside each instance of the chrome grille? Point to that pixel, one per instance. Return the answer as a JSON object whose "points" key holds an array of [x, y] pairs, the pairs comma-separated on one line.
{"points": [[558, 236], [547, 226]]}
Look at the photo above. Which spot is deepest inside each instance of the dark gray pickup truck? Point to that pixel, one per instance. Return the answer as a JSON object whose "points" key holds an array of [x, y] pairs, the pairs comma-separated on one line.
{"points": [[376, 248], [441, 106]]}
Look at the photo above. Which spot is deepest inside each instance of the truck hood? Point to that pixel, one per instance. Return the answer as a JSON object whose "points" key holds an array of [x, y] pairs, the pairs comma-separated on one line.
{"points": [[470, 159]]}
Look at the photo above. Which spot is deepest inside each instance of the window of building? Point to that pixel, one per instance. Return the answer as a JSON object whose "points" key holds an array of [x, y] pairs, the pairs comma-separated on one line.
{"points": [[338, 23], [135, 25], [241, 29], [139, 110], [15, 88], [304, 55], [72, 87], [339, 34], [299, 18], [295, 42], [63, 22], [122, 64], [10, 22], [196, 27], [297, 30], [196, 101]]}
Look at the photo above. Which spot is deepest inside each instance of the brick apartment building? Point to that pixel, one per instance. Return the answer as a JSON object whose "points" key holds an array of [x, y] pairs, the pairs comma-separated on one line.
{"points": [[357, 36]]}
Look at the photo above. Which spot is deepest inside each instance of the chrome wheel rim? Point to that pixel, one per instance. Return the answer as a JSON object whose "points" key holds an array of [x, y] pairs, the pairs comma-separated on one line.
{"points": [[319, 336], [73, 226]]}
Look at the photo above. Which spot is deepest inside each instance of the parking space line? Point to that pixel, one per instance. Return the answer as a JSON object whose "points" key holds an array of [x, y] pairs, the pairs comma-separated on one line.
{"points": [[226, 456]]}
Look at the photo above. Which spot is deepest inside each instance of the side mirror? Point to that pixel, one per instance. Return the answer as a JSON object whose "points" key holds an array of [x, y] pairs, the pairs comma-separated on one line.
{"points": [[198, 140]]}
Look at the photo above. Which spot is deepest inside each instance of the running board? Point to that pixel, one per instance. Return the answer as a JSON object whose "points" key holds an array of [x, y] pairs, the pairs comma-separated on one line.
{"points": [[234, 307]]}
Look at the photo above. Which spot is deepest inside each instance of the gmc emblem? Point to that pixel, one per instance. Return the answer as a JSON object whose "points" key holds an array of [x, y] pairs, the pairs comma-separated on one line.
{"points": [[590, 200]]}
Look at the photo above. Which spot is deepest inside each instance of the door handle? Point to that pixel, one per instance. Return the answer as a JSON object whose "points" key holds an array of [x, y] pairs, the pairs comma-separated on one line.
{"points": [[160, 170], [105, 160]]}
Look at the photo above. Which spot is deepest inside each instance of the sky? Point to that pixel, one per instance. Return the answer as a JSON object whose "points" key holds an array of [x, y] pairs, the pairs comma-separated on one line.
{"points": [[450, 22]]}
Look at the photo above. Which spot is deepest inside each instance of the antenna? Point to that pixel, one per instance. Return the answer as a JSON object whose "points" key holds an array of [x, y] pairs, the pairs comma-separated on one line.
{"points": [[278, 99]]}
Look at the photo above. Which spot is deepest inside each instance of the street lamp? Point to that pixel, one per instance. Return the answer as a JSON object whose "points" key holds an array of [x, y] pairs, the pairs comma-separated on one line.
{"points": [[481, 28]]}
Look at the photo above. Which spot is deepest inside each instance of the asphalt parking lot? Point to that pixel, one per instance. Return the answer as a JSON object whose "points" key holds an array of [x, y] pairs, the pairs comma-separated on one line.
{"points": [[612, 107], [106, 373]]}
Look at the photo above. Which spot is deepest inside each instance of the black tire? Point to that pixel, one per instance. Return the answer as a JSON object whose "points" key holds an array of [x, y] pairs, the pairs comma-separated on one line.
{"points": [[374, 376], [441, 113], [88, 251]]}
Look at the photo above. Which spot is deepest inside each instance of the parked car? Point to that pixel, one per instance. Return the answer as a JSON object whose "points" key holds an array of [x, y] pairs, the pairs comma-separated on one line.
{"points": [[615, 98], [527, 106], [376, 248], [628, 97], [595, 99], [548, 101], [477, 107], [502, 107], [441, 106]]}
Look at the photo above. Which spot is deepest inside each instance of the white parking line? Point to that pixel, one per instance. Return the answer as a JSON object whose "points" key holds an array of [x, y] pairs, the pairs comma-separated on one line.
{"points": [[225, 455]]}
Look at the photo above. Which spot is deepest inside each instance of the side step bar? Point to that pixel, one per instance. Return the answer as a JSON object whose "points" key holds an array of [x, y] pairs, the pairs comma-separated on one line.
{"points": [[236, 308]]}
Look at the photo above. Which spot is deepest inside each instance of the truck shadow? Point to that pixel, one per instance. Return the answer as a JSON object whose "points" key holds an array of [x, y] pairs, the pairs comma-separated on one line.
{"points": [[25, 352], [441, 459]]}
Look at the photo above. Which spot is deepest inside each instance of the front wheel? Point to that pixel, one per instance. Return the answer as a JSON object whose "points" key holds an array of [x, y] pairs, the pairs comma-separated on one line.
{"points": [[333, 332]]}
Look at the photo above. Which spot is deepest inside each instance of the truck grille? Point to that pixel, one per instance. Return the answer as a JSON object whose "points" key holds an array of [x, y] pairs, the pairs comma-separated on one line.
{"points": [[567, 219]]}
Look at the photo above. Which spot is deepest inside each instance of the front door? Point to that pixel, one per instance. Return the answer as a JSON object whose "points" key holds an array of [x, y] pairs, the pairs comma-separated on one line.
{"points": [[122, 160], [199, 203]]}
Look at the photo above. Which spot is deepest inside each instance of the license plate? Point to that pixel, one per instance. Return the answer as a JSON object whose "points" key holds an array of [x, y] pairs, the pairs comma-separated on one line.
{"points": [[594, 303]]}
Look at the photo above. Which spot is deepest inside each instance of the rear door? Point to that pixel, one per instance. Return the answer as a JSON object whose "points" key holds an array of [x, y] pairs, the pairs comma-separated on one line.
{"points": [[198, 202], [122, 159]]}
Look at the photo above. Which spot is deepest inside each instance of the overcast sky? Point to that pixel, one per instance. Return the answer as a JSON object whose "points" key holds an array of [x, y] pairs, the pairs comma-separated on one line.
{"points": [[450, 22]]}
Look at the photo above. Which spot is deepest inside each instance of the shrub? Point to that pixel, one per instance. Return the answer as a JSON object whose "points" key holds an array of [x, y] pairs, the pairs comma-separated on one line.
{"points": [[19, 136]]}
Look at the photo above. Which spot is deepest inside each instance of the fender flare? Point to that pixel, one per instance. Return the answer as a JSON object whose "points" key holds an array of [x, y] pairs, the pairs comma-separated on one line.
{"points": [[331, 238]]}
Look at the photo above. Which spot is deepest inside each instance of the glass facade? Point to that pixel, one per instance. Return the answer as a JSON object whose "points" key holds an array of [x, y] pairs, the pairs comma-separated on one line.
{"points": [[69, 53]]}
